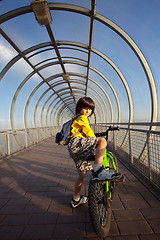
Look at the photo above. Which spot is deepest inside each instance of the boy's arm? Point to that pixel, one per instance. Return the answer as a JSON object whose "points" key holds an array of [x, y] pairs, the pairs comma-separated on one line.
{"points": [[85, 126]]}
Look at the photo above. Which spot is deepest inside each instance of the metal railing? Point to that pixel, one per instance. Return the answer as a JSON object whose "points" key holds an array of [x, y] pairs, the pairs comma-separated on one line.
{"points": [[14, 141], [136, 143]]}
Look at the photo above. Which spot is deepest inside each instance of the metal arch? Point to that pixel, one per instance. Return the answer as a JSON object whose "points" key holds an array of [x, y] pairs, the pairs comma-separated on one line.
{"points": [[63, 108], [36, 107], [80, 82], [98, 109], [81, 59], [93, 98], [68, 98], [28, 101], [80, 63], [18, 90], [62, 90], [110, 104], [13, 105], [29, 50], [25, 52], [129, 41], [31, 65], [25, 58], [125, 84], [52, 87], [47, 81], [115, 28], [57, 83], [108, 82], [50, 33], [59, 113], [114, 92], [63, 113], [33, 92]]}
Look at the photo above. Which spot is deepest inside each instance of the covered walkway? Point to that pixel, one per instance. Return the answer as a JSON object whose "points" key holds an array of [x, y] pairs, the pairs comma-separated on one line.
{"points": [[36, 188]]}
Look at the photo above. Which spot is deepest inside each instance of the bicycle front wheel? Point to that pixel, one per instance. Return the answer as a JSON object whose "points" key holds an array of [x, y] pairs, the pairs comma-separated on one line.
{"points": [[99, 208]]}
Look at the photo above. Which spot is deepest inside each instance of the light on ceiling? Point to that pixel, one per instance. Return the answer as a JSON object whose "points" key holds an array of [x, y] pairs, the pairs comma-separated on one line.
{"points": [[66, 77], [42, 12]]}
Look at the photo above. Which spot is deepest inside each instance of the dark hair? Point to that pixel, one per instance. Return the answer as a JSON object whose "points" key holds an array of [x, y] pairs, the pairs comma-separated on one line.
{"points": [[83, 103]]}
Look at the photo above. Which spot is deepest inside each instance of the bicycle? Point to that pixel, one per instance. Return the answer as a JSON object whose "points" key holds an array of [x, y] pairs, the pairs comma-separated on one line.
{"points": [[100, 193]]}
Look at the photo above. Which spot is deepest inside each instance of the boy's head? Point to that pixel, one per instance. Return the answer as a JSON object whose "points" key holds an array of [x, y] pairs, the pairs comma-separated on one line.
{"points": [[85, 102]]}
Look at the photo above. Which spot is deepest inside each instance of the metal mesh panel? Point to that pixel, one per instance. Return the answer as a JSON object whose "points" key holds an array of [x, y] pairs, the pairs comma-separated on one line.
{"points": [[3, 144], [154, 158], [140, 148]]}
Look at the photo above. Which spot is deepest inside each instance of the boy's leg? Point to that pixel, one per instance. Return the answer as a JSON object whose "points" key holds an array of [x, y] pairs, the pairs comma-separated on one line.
{"points": [[77, 198], [78, 183], [101, 173], [100, 149]]}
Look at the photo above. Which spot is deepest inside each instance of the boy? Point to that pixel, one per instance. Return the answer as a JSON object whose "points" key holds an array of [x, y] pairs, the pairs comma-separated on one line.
{"points": [[83, 144]]}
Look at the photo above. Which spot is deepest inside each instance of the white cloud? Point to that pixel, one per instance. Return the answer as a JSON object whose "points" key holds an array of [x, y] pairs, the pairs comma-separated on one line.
{"points": [[6, 53]]}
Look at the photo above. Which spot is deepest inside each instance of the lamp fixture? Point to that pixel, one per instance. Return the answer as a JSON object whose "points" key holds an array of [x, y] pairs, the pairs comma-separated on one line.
{"points": [[42, 12], [66, 77]]}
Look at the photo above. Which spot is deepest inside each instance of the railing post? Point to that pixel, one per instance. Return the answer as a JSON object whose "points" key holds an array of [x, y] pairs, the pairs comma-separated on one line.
{"points": [[114, 140], [26, 142], [149, 154], [8, 143], [130, 144], [37, 134]]}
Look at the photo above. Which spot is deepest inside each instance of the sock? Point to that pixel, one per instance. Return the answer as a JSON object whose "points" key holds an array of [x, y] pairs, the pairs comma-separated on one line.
{"points": [[76, 198], [97, 167]]}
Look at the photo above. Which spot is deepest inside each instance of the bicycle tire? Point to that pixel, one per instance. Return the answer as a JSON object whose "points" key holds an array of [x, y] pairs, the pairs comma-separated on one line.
{"points": [[99, 208]]}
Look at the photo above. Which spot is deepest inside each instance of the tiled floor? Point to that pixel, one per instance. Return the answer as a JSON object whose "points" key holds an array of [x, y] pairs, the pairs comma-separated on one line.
{"points": [[35, 191]]}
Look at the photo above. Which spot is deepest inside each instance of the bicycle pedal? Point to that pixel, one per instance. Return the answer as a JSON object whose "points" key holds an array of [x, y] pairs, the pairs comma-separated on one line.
{"points": [[122, 179]]}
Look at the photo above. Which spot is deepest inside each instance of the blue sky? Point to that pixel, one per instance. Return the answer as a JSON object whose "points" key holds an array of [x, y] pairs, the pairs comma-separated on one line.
{"points": [[140, 19]]}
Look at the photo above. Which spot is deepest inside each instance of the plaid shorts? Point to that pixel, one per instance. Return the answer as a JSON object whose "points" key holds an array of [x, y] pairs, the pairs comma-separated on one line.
{"points": [[79, 149]]}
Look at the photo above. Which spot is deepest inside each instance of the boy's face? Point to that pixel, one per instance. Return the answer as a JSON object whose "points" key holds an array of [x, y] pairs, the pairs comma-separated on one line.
{"points": [[86, 111]]}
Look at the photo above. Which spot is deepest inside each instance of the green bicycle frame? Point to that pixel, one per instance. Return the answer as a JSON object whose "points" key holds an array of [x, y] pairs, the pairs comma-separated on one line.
{"points": [[106, 160]]}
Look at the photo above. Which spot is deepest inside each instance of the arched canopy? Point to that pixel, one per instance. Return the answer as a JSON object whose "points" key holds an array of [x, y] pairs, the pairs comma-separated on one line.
{"points": [[94, 48]]}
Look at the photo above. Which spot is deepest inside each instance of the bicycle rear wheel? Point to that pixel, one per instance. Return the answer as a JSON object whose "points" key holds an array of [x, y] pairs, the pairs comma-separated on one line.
{"points": [[99, 208]]}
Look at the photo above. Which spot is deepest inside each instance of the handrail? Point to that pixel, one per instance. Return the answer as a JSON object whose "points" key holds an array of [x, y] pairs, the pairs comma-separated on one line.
{"points": [[140, 149]]}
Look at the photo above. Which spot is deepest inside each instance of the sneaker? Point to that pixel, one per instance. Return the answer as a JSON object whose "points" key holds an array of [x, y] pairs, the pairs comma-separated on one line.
{"points": [[82, 200], [103, 174]]}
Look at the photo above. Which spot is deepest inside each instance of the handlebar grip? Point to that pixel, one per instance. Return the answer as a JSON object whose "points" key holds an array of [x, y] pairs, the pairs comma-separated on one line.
{"points": [[100, 134], [113, 128]]}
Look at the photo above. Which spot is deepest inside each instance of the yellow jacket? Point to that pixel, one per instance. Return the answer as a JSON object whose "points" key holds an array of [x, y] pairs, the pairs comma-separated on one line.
{"points": [[81, 124]]}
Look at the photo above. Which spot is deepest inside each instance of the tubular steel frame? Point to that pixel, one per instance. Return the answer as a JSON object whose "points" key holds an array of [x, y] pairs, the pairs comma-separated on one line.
{"points": [[66, 102]]}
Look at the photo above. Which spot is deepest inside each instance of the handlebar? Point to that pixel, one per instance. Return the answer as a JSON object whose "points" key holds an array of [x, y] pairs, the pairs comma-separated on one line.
{"points": [[110, 128]]}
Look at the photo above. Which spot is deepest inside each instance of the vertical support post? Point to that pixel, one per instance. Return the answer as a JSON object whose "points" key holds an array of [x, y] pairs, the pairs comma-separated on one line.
{"points": [[26, 142], [130, 144], [8, 143], [149, 154], [37, 134], [114, 140], [44, 130]]}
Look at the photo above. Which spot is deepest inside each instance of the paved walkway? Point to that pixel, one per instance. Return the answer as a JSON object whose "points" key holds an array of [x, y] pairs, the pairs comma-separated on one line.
{"points": [[35, 191]]}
